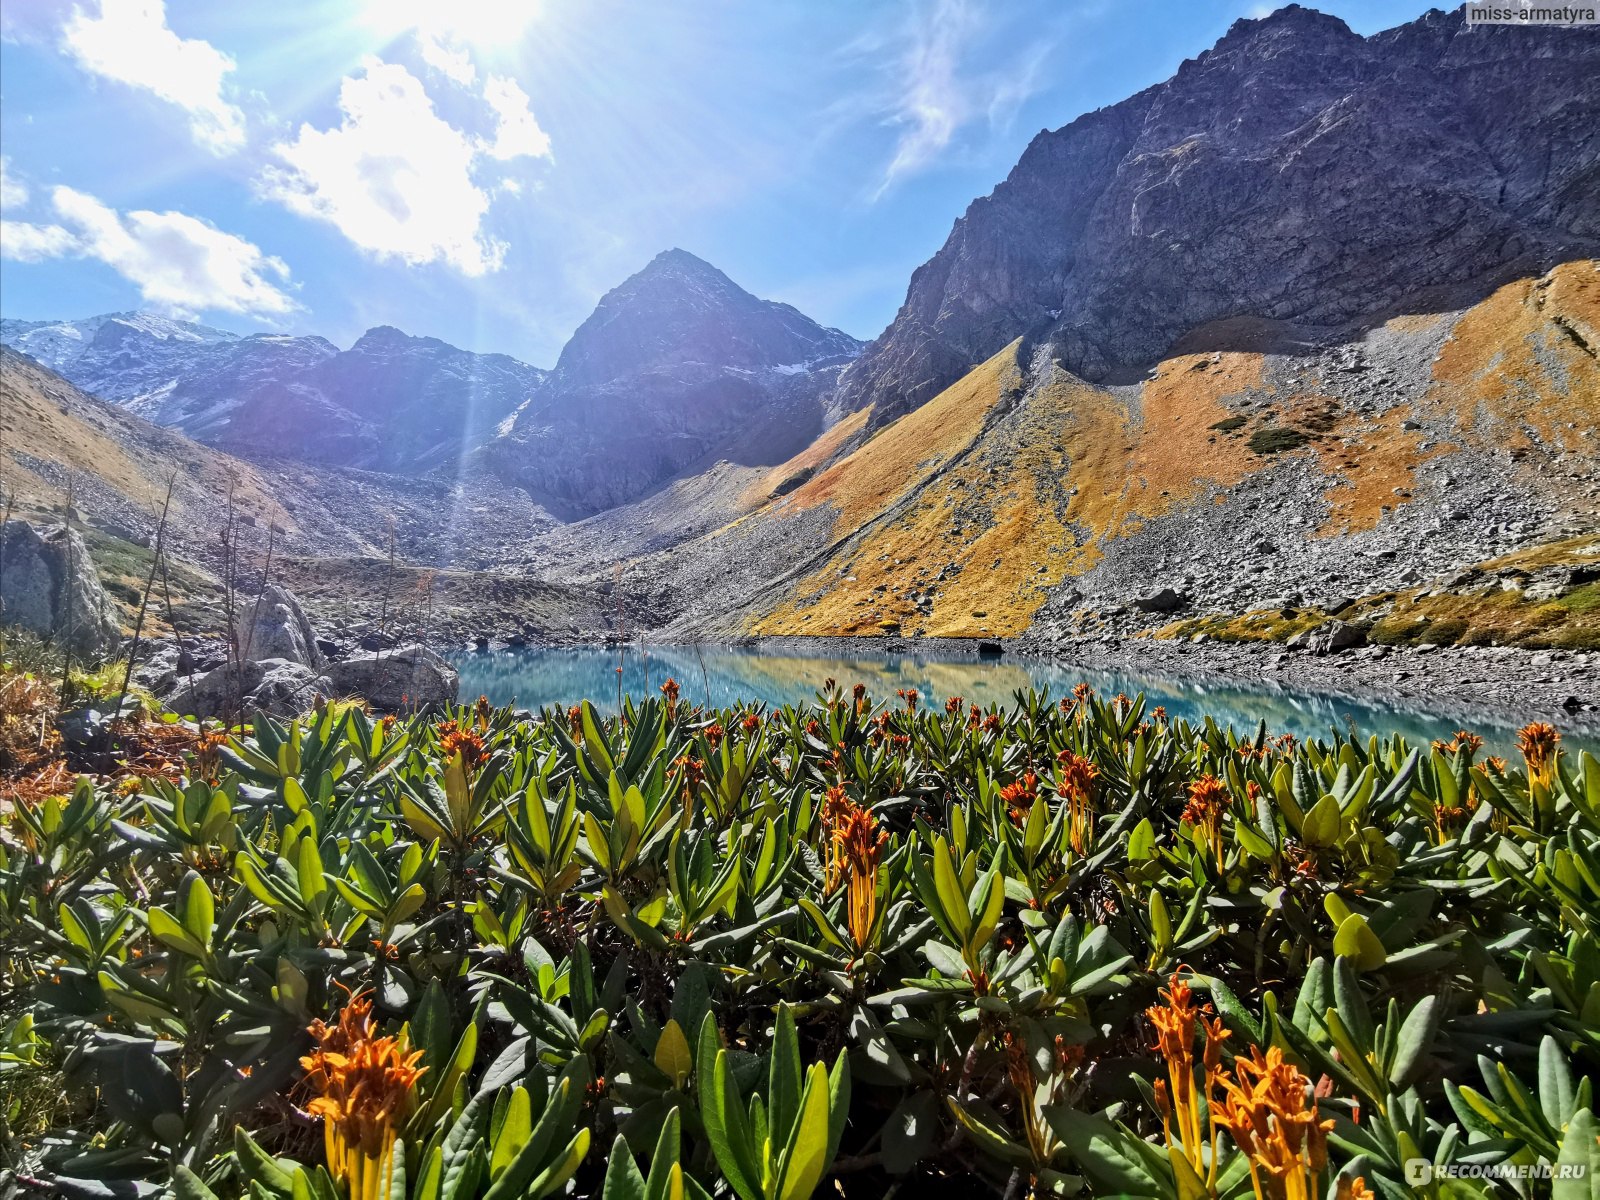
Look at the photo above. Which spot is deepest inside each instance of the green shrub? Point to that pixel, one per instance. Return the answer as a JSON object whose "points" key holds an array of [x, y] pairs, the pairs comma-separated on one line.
{"points": [[771, 952]]}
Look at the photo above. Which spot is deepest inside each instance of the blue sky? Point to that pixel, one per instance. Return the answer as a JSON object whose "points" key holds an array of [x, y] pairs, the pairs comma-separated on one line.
{"points": [[483, 170]]}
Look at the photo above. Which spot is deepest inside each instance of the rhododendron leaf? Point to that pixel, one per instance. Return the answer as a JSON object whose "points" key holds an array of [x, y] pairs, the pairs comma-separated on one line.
{"points": [[165, 928]]}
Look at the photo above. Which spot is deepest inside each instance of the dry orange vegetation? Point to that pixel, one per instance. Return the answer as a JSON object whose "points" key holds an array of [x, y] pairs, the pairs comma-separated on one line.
{"points": [[870, 581], [959, 519], [812, 457], [1373, 475], [899, 459], [91, 440], [1074, 457], [1522, 369], [1129, 466]]}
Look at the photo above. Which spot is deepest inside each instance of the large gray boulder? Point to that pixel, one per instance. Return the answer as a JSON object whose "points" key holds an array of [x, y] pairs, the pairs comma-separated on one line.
{"points": [[48, 586], [274, 626], [408, 677], [274, 686]]}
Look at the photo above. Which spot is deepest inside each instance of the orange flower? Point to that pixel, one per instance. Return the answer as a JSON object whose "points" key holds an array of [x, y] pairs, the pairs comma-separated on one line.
{"points": [[1470, 742], [860, 845], [691, 771], [454, 740], [1538, 743], [953, 705], [836, 806], [713, 733], [1178, 1096], [1019, 796], [1270, 1110], [669, 689], [1075, 778], [364, 1092], [1355, 1189], [1208, 800], [1020, 1071], [575, 720]]}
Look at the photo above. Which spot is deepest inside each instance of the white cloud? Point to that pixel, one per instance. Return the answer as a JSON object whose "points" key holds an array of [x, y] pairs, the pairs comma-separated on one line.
{"points": [[517, 133], [179, 263], [452, 62], [130, 42], [931, 104], [25, 241], [393, 176], [13, 192], [932, 89]]}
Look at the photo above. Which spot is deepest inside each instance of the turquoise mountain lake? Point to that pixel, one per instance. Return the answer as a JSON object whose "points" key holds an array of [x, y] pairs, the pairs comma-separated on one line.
{"points": [[536, 677]]}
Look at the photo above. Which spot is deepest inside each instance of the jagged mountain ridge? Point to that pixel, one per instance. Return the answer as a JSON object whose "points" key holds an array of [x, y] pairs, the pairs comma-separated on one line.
{"points": [[676, 369], [1296, 171], [390, 402], [1445, 414]]}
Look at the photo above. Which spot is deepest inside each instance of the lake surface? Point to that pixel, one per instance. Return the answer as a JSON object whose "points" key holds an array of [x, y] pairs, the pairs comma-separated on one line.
{"points": [[722, 675]]}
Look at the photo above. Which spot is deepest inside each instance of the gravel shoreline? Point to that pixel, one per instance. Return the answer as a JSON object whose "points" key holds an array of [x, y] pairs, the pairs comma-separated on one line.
{"points": [[1510, 685]]}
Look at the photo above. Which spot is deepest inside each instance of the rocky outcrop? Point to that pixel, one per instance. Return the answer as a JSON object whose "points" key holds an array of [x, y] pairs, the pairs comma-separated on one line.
{"points": [[1295, 172], [273, 686], [279, 669], [404, 679], [676, 368], [273, 625], [48, 586]]}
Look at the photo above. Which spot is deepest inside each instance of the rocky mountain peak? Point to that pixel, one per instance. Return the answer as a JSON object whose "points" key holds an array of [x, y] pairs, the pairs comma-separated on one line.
{"points": [[678, 367], [679, 308], [1295, 171], [386, 339]]}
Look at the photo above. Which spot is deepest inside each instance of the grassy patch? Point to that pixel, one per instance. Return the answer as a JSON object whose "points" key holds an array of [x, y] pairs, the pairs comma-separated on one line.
{"points": [[1269, 625], [1229, 424], [124, 570], [1275, 439], [1497, 618]]}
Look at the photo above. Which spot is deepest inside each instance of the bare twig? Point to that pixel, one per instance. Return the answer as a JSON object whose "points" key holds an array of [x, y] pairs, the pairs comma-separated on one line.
{"points": [[185, 659], [5, 520], [622, 636], [144, 599], [66, 625], [236, 652], [388, 586], [705, 677]]}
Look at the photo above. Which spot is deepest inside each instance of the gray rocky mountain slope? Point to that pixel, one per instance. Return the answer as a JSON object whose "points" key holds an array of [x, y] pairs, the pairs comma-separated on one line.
{"points": [[1296, 171]]}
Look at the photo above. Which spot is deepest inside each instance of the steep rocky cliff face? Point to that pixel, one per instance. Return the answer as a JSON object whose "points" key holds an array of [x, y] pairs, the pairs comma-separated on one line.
{"points": [[1294, 172], [676, 369], [391, 402]]}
